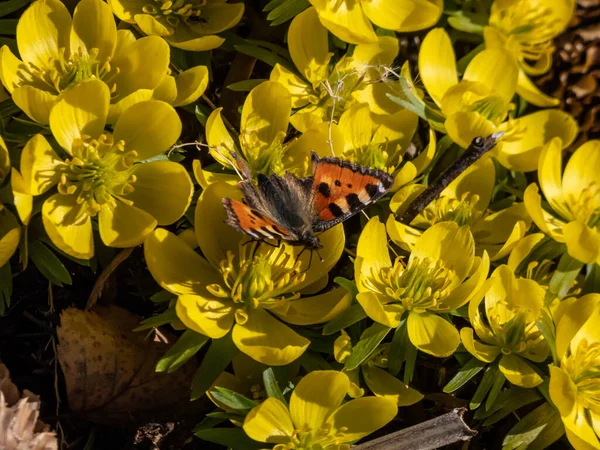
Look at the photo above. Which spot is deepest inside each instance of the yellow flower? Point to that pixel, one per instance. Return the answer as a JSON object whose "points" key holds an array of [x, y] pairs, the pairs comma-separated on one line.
{"points": [[480, 103], [240, 285], [506, 326], [380, 382], [350, 20], [526, 28], [574, 199], [316, 417], [441, 275], [58, 52], [574, 382], [186, 24], [322, 92], [465, 201], [10, 230], [99, 175], [379, 143]]}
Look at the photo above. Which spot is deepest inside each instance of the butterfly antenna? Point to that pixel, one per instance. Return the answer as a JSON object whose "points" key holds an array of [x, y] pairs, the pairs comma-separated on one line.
{"points": [[237, 160], [299, 255], [319, 255], [365, 214], [309, 261]]}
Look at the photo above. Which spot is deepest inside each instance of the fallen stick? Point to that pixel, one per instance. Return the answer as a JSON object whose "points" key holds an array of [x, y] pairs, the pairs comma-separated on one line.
{"points": [[435, 433]]}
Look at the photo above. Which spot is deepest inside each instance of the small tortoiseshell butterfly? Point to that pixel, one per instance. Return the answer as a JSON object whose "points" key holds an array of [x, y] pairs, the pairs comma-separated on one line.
{"points": [[294, 209]]}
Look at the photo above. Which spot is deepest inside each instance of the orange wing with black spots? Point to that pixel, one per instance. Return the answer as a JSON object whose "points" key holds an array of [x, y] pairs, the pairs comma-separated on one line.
{"points": [[342, 189], [252, 222]]}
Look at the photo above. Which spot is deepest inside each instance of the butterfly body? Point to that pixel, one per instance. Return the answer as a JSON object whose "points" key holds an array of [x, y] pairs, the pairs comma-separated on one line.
{"points": [[294, 209]]}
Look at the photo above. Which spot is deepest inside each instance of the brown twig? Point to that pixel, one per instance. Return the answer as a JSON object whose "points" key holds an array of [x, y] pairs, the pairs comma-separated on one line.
{"points": [[478, 147], [105, 275], [435, 433]]}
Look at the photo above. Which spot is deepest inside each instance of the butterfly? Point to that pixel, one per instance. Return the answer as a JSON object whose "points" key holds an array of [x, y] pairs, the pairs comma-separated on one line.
{"points": [[294, 209]]}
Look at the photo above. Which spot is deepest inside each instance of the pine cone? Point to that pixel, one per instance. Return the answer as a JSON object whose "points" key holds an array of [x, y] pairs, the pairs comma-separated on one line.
{"points": [[575, 74], [20, 428]]}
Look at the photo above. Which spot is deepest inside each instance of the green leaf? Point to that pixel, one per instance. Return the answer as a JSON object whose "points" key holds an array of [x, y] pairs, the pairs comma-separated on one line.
{"points": [[463, 62], [398, 348], [169, 316], [8, 26], [368, 343], [592, 279], [351, 315], [411, 362], [188, 344], [217, 358], [509, 401], [466, 372], [232, 399], [246, 85], [283, 10], [265, 55], [347, 284], [484, 387], [9, 6], [564, 276], [271, 385], [499, 380], [312, 361], [542, 423], [467, 22], [48, 264], [233, 438], [202, 112], [6, 287], [545, 324]]}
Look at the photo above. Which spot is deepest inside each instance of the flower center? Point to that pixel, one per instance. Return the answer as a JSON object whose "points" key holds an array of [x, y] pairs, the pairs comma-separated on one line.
{"points": [[374, 155], [586, 206], [257, 278], [70, 69], [98, 172], [335, 92], [265, 158], [529, 27], [462, 211], [584, 367], [323, 438], [176, 12], [421, 285]]}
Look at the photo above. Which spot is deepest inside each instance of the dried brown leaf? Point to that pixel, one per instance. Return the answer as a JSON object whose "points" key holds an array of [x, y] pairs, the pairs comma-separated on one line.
{"points": [[109, 369]]}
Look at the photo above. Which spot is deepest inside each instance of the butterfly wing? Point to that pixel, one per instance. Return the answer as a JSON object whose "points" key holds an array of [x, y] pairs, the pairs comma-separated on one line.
{"points": [[253, 222], [341, 189]]}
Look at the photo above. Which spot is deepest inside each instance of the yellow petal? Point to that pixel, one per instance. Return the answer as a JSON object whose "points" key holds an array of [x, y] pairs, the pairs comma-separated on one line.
{"points": [[267, 340], [483, 352], [81, 110], [214, 237], [522, 249], [375, 57], [308, 44], [572, 319], [12, 70], [205, 177], [298, 88], [583, 242], [403, 15], [34, 102], [93, 27], [530, 92], [38, 164], [402, 235], [316, 309], [499, 251], [384, 384], [125, 10], [362, 416], [544, 220], [437, 64], [23, 199], [432, 334], [152, 26], [149, 128], [4, 160], [522, 152], [479, 178], [42, 31], [582, 169], [166, 91], [309, 117], [124, 226], [518, 372], [116, 109], [372, 253], [191, 84], [579, 428], [356, 125], [398, 129], [499, 226], [67, 227], [193, 43], [10, 234], [346, 20], [219, 16], [549, 175], [212, 318], [316, 396], [269, 422], [142, 65], [563, 391], [464, 293], [175, 266], [377, 308], [463, 127], [483, 69], [448, 243], [163, 189], [342, 347], [265, 114]]}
